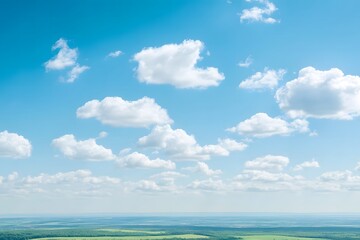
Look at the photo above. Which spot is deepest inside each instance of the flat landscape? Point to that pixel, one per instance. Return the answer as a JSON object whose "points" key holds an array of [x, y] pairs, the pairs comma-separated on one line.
{"points": [[246, 227]]}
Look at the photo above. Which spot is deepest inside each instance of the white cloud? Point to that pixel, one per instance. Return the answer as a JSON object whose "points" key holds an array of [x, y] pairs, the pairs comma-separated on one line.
{"points": [[357, 168], [259, 180], [13, 145], [117, 112], [232, 145], [207, 185], [82, 150], [156, 184], [321, 94], [262, 125], [13, 176], [179, 145], [115, 54], [339, 176], [78, 176], [175, 64], [64, 184], [267, 79], [167, 175], [268, 162], [307, 164], [148, 186], [257, 14], [66, 56], [338, 181], [75, 72], [139, 160], [203, 168], [264, 176], [245, 64]]}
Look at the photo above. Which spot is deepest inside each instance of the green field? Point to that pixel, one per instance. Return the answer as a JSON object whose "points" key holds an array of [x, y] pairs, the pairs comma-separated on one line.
{"points": [[131, 231], [175, 236], [276, 237]]}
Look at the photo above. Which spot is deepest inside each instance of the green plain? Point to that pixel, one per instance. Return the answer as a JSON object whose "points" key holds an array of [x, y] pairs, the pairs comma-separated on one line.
{"points": [[276, 237], [179, 236]]}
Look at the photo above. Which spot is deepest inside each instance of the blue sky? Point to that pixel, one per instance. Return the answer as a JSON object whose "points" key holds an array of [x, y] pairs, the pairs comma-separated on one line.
{"points": [[179, 106]]}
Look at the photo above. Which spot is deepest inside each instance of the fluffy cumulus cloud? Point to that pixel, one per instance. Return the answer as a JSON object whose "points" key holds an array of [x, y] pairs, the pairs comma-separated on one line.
{"points": [[307, 164], [117, 112], [65, 58], [262, 125], [268, 162], [321, 94], [82, 150], [13, 145], [267, 79], [139, 160], [175, 64], [259, 14], [178, 144], [203, 168]]}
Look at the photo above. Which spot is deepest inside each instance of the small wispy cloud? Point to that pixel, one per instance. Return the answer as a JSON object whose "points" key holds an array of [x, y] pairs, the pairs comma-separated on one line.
{"points": [[115, 54], [245, 64], [66, 58], [259, 14]]}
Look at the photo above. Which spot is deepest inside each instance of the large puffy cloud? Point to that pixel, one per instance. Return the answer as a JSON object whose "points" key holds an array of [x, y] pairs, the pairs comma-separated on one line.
{"points": [[321, 94], [178, 144], [117, 112], [82, 150], [259, 14], [262, 125], [175, 64], [268, 162], [65, 58], [203, 168], [267, 79], [139, 160], [13, 145]]}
